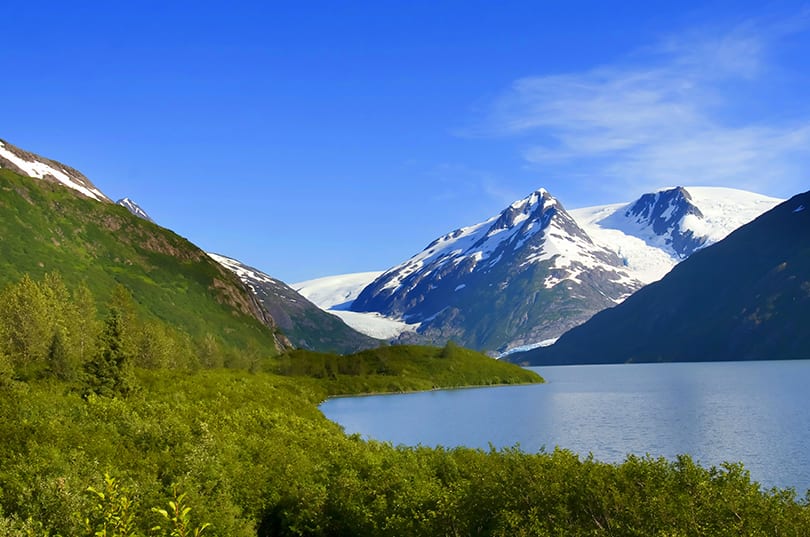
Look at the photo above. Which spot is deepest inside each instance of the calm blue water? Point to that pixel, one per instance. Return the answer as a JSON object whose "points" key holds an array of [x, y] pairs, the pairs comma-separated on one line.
{"points": [[754, 412]]}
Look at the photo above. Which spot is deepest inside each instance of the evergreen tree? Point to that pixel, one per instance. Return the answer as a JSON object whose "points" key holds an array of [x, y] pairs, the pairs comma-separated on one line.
{"points": [[57, 300], [59, 363], [123, 302], [108, 373]]}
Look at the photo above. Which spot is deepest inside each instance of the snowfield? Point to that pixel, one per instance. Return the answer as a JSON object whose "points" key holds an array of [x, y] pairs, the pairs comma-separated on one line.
{"points": [[644, 262], [646, 256], [335, 294]]}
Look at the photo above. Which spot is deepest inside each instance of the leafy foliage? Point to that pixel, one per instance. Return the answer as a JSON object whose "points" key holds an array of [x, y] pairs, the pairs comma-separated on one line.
{"points": [[253, 456]]}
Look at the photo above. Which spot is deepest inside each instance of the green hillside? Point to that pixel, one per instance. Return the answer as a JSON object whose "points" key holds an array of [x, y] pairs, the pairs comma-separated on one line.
{"points": [[45, 227]]}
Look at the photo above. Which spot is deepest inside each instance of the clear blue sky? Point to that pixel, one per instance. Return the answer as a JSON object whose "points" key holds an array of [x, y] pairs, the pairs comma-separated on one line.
{"points": [[318, 138]]}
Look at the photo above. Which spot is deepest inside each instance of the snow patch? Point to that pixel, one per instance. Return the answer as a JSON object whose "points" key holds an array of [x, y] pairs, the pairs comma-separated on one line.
{"points": [[244, 273], [524, 348], [39, 170], [798, 209], [648, 257]]}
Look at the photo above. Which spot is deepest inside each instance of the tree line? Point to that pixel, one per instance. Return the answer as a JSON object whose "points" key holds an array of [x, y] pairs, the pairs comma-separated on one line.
{"points": [[50, 330]]}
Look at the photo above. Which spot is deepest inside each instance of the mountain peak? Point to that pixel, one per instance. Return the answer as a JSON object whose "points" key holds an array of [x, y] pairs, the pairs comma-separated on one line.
{"points": [[37, 167], [533, 212], [663, 209], [533, 198], [682, 220], [532, 256], [134, 208]]}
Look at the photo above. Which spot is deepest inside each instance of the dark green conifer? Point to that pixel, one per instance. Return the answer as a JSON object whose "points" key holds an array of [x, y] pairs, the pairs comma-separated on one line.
{"points": [[108, 373], [59, 364]]}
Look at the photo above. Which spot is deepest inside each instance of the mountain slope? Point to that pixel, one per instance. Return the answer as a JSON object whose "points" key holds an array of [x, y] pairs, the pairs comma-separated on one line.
{"points": [[305, 324], [46, 227], [522, 276], [746, 297]]}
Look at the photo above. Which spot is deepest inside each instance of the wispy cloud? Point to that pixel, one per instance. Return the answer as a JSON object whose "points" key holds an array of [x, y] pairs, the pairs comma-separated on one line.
{"points": [[461, 183], [675, 113]]}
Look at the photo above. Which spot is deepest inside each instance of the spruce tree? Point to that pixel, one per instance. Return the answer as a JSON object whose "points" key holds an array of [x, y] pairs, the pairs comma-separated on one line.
{"points": [[108, 372], [59, 364]]}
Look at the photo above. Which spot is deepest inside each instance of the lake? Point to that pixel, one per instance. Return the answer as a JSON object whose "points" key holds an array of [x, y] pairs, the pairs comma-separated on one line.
{"points": [[757, 413]]}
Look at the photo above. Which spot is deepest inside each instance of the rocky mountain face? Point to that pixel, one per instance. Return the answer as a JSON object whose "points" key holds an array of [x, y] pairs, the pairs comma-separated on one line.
{"points": [[666, 215], [134, 208], [37, 167], [525, 275], [305, 324], [746, 297], [674, 222]]}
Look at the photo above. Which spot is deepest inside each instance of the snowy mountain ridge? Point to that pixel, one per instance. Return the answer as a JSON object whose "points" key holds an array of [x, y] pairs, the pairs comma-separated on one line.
{"points": [[537, 227], [37, 167], [605, 251], [660, 229]]}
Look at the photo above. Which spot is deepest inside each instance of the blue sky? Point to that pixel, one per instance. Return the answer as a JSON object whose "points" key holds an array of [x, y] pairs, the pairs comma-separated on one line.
{"points": [[318, 138]]}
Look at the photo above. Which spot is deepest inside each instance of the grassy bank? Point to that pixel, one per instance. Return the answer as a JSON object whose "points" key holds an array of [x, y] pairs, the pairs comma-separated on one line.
{"points": [[400, 368]]}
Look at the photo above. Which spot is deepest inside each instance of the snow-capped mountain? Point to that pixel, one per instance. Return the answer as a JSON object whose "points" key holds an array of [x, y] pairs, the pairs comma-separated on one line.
{"points": [[305, 324], [37, 167], [747, 297], [660, 229], [524, 275], [667, 217], [134, 208]]}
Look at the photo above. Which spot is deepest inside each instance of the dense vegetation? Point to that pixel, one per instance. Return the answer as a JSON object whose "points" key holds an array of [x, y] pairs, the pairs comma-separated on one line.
{"points": [[253, 456], [111, 442], [400, 368]]}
